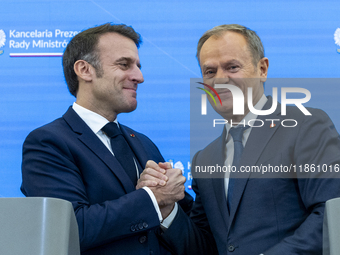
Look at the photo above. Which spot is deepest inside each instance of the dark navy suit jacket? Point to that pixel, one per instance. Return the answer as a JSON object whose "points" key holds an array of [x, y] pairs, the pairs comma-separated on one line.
{"points": [[65, 159], [273, 216]]}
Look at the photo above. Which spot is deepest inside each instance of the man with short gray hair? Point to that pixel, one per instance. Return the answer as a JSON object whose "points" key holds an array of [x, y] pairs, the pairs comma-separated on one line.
{"points": [[243, 213]]}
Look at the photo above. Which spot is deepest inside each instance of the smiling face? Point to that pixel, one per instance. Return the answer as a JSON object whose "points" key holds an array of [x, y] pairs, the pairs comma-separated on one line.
{"points": [[226, 59], [113, 89]]}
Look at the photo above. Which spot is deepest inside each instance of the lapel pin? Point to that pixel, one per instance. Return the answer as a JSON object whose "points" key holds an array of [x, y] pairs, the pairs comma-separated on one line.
{"points": [[132, 135], [272, 125]]}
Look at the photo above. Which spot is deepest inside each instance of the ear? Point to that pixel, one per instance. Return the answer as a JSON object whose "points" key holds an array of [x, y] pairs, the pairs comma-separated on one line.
{"points": [[84, 70], [262, 66]]}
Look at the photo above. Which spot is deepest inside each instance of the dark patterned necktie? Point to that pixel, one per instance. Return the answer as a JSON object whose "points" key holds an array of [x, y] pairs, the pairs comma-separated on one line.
{"points": [[237, 134], [121, 150]]}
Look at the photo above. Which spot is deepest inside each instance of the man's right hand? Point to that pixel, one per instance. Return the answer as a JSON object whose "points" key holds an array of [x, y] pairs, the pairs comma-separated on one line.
{"points": [[153, 175]]}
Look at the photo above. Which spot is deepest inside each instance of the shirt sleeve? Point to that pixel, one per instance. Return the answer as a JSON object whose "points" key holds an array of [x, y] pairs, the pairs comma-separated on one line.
{"points": [[154, 201], [168, 220], [165, 223]]}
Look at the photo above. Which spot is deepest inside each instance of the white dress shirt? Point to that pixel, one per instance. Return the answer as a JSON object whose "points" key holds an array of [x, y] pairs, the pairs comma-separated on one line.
{"points": [[96, 122]]}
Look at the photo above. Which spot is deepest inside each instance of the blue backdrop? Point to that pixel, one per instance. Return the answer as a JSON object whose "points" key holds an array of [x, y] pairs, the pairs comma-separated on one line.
{"points": [[299, 39]]}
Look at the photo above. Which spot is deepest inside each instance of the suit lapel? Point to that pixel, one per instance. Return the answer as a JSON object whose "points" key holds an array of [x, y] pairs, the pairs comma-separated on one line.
{"points": [[256, 143], [219, 189], [87, 137], [218, 183]]}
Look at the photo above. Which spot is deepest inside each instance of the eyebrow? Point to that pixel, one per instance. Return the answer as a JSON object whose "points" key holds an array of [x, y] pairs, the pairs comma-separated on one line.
{"points": [[206, 66], [129, 60], [231, 61]]}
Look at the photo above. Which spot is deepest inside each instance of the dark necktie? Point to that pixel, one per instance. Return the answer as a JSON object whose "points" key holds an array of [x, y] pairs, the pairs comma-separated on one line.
{"points": [[237, 134], [121, 150]]}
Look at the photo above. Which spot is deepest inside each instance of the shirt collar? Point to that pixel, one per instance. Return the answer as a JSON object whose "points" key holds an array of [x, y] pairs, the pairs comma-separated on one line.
{"points": [[95, 121]]}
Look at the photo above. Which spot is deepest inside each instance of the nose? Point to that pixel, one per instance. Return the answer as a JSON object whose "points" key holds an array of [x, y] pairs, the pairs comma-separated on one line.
{"points": [[136, 75], [221, 77]]}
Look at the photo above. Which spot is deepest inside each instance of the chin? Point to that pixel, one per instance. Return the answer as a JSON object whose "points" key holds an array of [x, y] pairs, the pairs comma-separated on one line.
{"points": [[224, 111], [130, 108]]}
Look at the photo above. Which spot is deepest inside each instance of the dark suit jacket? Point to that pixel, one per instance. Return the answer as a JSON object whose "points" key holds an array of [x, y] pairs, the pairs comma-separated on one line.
{"points": [[273, 216], [65, 159]]}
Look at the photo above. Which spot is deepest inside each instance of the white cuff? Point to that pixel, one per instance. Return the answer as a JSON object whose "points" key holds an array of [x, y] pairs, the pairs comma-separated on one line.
{"points": [[154, 201], [168, 220]]}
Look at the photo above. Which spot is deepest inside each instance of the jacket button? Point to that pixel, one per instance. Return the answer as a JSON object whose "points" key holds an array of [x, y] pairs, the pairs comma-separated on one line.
{"points": [[145, 225], [140, 226], [231, 248], [133, 229], [142, 239]]}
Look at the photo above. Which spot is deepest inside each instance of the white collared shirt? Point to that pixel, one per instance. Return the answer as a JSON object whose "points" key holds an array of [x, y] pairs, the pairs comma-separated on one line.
{"points": [[96, 122], [229, 151]]}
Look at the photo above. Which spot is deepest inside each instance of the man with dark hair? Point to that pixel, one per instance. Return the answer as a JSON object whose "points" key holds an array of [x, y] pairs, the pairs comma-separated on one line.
{"points": [[91, 160], [245, 213], [84, 46]]}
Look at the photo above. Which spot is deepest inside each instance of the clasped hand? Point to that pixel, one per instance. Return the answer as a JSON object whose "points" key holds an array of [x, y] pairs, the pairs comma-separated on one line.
{"points": [[166, 183]]}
